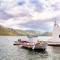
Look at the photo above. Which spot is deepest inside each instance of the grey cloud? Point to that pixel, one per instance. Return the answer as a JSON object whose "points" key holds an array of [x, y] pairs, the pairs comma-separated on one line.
{"points": [[55, 7], [20, 2], [4, 15], [37, 25], [38, 5]]}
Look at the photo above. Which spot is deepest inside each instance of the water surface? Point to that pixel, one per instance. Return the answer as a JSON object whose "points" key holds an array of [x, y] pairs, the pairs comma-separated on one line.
{"points": [[10, 52]]}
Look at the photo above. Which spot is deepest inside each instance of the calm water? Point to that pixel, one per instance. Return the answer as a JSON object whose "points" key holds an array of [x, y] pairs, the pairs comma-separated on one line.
{"points": [[10, 52]]}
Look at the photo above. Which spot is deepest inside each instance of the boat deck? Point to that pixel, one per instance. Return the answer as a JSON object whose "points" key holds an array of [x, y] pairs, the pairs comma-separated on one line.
{"points": [[53, 43]]}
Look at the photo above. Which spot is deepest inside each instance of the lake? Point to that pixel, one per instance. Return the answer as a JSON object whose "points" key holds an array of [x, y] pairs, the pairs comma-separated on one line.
{"points": [[10, 52]]}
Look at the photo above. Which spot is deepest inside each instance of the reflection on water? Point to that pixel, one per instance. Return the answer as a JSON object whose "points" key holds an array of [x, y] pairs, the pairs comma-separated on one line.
{"points": [[10, 52]]}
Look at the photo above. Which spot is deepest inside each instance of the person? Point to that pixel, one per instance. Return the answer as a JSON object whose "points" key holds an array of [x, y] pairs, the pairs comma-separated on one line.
{"points": [[19, 40], [33, 47]]}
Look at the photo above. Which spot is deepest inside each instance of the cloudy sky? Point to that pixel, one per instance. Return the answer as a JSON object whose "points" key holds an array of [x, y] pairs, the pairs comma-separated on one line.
{"points": [[29, 14]]}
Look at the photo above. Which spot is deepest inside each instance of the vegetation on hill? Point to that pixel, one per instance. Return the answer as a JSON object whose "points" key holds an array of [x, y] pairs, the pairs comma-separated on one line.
{"points": [[15, 32]]}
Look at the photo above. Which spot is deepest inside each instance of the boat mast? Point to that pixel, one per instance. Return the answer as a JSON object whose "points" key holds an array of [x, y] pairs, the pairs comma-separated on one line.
{"points": [[55, 23]]}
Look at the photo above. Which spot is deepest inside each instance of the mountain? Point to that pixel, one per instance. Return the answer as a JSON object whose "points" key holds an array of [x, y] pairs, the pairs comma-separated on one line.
{"points": [[15, 32], [7, 31], [47, 34]]}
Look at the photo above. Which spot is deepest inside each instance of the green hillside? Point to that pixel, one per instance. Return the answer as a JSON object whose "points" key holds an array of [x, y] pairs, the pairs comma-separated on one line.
{"points": [[6, 31], [15, 32]]}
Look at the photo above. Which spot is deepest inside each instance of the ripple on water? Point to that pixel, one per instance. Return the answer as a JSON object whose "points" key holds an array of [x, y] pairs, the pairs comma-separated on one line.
{"points": [[10, 52]]}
